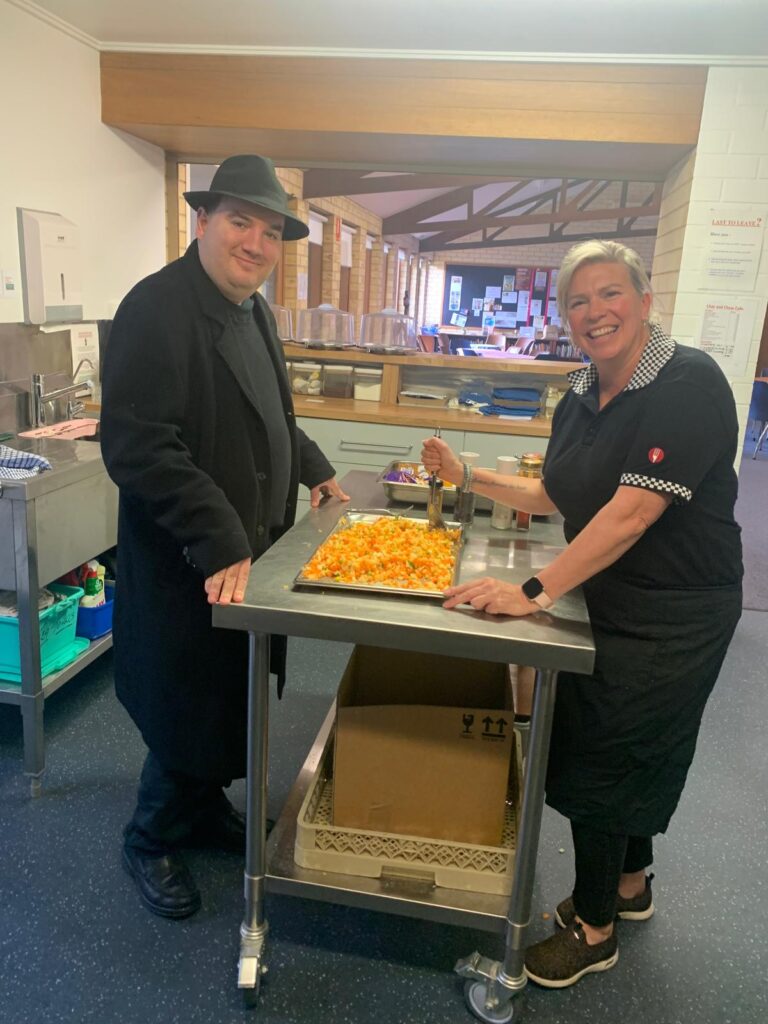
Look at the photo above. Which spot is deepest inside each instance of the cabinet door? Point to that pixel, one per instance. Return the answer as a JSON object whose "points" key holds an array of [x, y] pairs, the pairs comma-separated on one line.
{"points": [[491, 445], [370, 445]]}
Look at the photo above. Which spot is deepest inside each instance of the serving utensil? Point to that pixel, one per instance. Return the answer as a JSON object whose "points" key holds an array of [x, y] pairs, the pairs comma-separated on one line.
{"points": [[435, 500]]}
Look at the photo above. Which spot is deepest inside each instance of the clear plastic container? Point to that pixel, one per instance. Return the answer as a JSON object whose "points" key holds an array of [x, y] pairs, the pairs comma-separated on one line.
{"points": [[325, 327], [307, 378], [388, 331], [284, 322], [337, 381], [367, 383]]}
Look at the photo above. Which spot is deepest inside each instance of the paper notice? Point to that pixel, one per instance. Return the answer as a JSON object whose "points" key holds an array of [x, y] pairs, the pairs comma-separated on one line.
{"points": [[726, 332], [84, 341], [733, 248]]}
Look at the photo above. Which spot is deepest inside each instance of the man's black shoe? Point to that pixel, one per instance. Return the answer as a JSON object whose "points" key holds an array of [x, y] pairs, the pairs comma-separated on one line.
{"points": [[164, 883], [225, 831]]}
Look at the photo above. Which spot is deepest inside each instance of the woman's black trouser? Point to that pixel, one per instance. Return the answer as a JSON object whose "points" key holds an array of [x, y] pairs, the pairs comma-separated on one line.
{"points": [[601, 859]]}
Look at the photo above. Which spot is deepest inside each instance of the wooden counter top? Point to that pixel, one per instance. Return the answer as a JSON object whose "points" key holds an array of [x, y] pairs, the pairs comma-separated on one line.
{"points": [[416, 416]]}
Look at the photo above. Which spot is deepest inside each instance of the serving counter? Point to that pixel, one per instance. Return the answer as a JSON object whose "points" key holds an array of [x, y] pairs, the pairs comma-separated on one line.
{"points": [[550, 641]]}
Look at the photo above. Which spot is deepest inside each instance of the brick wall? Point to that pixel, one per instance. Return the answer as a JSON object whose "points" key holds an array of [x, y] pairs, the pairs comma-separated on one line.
{"points": [[670, 236]]}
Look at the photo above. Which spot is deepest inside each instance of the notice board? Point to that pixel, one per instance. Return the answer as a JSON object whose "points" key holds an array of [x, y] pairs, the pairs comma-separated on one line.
{"points": [[513, 296]]}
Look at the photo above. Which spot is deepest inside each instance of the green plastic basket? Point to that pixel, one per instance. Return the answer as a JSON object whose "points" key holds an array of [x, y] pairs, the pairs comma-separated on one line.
{"points": [[58, 644]]}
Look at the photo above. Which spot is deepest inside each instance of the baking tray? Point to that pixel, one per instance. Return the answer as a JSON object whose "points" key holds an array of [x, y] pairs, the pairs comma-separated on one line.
{"points": [[418, 494], [351, 517]]}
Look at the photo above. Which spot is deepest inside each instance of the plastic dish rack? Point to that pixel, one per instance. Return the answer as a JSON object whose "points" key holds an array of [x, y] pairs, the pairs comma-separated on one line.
{"points": [[323, 846]]}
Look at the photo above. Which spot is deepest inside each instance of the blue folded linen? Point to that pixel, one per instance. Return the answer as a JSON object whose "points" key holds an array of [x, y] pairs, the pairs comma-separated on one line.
{"points": [[16, 465], [506, 410], [517, 394]]}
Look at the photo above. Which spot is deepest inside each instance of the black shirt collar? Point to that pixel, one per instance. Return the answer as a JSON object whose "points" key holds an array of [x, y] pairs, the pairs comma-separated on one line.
{"points": [[656, 354]]}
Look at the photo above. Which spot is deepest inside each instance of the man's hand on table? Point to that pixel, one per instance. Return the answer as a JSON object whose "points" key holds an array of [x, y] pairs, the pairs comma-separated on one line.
{"points": [[228, 585], [327, 489]]}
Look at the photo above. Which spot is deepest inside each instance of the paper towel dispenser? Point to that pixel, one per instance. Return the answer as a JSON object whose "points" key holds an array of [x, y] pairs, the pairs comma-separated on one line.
{"points": [[49, 247]]}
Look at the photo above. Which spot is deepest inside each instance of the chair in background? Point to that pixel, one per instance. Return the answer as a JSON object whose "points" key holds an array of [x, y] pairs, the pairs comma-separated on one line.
{"points": [[758, 410]]}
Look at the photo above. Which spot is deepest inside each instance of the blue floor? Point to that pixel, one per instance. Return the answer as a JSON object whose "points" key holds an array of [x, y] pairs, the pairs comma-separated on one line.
{"points": [[76, 946]]}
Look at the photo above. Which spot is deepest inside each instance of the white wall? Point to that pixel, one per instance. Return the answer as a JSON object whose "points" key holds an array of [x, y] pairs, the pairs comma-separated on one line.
{"points": [[731, 168], [58, 156]]}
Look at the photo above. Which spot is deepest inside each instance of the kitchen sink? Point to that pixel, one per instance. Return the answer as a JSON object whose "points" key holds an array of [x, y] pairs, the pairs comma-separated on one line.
{"points": [[67, 430]]}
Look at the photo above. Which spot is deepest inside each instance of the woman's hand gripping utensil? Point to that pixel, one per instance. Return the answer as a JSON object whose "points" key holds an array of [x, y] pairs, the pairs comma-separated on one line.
{"points": [[435, 500]]}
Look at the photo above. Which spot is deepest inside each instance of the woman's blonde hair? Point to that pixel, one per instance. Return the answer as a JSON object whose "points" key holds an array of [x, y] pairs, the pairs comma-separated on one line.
{"points": [[599, 251]]}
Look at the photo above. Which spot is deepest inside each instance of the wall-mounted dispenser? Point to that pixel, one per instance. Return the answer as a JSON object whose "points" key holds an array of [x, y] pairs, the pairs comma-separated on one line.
{"points": [[49, 247]]}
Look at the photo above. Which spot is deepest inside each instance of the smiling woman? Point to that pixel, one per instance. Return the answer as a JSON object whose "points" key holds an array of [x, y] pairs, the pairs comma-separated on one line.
{"points": [[604, 295], [640, 465]]}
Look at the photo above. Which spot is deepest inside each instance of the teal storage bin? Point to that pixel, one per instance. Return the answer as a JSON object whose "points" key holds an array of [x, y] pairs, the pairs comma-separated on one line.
{"points": [[58, 643], [95, 622]]}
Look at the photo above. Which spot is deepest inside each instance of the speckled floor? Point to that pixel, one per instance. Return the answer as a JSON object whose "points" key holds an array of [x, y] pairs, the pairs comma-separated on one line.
{"points": [[76, 946]]}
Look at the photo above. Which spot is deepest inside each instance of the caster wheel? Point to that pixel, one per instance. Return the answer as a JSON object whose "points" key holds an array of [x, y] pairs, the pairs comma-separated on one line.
{"points": [[250, 998], [474, 995]]}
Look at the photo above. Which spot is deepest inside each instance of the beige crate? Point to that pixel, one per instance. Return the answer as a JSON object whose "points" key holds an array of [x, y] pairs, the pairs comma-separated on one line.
{"points": [[322, 846]]}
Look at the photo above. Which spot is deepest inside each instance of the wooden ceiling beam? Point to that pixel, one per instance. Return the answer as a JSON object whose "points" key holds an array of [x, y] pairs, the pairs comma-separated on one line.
{"points": [[426, 245], [482, 220], [405, 222], [322, 182]]}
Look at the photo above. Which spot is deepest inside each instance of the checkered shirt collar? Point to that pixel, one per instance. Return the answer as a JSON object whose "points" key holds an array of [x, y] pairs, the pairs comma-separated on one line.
{"points": [[656, 354]]}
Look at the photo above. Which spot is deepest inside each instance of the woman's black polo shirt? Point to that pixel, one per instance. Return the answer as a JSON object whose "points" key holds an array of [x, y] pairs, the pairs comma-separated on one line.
{"points": [[673, 429]]}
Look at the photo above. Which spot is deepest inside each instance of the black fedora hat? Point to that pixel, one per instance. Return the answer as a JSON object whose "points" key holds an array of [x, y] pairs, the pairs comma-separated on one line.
{"points": [[253, 179]]}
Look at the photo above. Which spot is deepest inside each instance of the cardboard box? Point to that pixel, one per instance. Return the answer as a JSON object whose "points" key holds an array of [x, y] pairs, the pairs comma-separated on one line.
{"points": [[423, 746]]}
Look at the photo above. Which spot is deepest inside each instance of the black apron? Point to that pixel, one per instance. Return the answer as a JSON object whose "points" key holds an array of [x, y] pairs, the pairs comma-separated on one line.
{"points": [[623, 738]]}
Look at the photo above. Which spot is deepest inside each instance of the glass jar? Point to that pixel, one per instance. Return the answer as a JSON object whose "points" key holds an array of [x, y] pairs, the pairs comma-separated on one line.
{"points": [[337, 381], [502, 515], [367, 381], [325, 326], [307, 378], [465, 500], [531, 464]]}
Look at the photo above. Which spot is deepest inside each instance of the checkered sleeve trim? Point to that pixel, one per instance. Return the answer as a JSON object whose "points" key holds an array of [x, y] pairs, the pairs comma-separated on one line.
{"points": [[680, 494]]}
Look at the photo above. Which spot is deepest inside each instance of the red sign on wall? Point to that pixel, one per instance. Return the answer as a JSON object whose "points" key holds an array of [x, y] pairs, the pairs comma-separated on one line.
{"points": [[337, 228]]}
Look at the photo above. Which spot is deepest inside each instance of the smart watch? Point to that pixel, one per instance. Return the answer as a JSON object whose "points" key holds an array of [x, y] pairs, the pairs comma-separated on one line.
{"points": [[533, 589]]}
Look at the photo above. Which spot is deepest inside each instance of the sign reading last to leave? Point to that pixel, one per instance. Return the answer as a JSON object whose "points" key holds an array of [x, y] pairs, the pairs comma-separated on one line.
{"points": [[733, 247]]}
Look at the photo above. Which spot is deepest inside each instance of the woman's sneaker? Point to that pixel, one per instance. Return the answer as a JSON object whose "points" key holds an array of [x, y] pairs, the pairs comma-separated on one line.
{"points": [[566, 956], [638, 908]]}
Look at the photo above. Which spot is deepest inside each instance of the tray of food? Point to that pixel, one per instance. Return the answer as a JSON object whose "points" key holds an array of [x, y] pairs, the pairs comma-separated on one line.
{"points": [[409, 482], [385, 553]]}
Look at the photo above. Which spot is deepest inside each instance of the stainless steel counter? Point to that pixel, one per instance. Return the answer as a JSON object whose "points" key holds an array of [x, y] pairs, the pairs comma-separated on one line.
{"points": [[551, 641], [49, 524], [559, 640]]}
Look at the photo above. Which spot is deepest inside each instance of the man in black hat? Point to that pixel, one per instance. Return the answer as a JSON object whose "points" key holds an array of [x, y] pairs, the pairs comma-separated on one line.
{"points": [[198, 432]]}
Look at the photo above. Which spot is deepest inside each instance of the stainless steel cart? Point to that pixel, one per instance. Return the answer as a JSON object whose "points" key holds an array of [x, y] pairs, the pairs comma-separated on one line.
{"points": [[49, 524], [555, 641]]}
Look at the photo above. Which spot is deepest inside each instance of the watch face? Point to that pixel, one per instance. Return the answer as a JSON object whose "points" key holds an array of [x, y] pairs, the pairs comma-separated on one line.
{"points": [[532, 588]]}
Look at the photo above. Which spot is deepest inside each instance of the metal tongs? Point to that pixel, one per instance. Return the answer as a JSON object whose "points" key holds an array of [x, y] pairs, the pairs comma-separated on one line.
{"points": [[435, 500]]}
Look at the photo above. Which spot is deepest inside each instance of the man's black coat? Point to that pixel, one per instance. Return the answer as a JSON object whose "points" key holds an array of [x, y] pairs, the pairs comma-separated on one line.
{"points": [[183, 438]]}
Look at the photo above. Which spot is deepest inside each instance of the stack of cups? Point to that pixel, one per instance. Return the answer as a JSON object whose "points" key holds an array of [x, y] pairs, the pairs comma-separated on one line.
{"points": [[502, 515], [465, 500]]}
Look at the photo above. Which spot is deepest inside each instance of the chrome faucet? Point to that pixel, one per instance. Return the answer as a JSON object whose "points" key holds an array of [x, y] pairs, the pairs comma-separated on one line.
{"points": [[38, 398]]}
